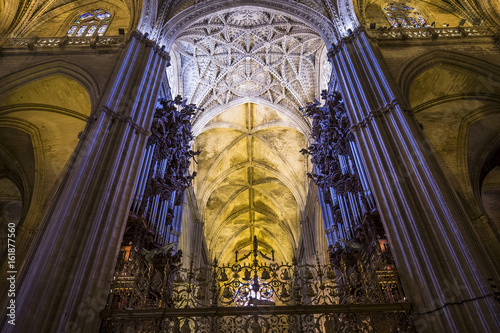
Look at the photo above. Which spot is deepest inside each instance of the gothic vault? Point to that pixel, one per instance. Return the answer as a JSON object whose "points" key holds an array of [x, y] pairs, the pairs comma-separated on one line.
{"points": [[413, 89]]}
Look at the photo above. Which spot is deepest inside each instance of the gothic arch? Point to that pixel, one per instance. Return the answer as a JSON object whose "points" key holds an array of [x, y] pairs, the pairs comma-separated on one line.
{"points": [[49, 106], [35, 24], [16, 169], [36, 109], [23, 160], [245, 180], [485, 162], [50, 68], [416, 66], [463, 81], [348, 18], [297, 120], [183, 19], [456, 98]]}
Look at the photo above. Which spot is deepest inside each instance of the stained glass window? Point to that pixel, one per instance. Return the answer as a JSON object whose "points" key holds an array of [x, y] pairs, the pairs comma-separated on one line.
{"points": [[401, 15], [91, 30], [81, 31], [91, 23], [102, 29], [72, 30]]}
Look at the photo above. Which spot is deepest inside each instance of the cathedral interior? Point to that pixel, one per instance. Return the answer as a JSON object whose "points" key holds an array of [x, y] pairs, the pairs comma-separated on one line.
{"points": [[250, 166]]}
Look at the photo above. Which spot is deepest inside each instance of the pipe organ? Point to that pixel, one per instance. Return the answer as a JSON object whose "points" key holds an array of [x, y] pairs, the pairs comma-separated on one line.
{"points": [[164, 173], [345, 196]]}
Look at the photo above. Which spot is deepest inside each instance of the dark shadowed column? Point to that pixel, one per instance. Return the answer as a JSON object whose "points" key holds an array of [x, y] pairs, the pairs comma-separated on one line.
{"points": [[66, 281], [427, 228]]}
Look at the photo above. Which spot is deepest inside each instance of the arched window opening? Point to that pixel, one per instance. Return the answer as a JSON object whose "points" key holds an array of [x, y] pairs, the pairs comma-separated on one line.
{"points": [[90, 23], [401, 15]]}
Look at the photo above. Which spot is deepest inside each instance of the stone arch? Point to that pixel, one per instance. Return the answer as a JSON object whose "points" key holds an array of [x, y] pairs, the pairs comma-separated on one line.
{"points": [[247, 177], [250, 137], [45, 110], [55, 67], [456, 99], [347, 17], [21, 156], [298, 122], [449, 92], [416, 66], [55, 23], [321, 24]]}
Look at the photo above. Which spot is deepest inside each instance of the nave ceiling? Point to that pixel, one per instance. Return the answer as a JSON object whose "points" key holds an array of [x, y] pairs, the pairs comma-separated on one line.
{"points": [[251, 71]]}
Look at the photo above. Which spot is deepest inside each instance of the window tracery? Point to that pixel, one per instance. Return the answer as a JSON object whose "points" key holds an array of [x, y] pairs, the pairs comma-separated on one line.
{"points": [[401, 15], [90, 23]]}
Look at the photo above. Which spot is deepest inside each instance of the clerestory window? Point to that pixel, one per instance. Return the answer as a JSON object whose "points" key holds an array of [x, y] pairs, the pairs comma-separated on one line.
{"points": [[401, 15], [91, 23]]}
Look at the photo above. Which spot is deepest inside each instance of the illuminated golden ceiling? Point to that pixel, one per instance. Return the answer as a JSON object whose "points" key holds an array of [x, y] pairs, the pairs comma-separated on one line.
{"points": [[251, 181], [251, 71]]}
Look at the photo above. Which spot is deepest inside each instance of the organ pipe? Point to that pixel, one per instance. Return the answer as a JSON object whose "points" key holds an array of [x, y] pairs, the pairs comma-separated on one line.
{"points": [[164, 174], [338, 172]]}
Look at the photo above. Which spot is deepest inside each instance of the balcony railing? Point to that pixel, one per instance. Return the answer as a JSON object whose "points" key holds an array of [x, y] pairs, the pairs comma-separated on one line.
{"points": [[430, 33], [62, 42]]}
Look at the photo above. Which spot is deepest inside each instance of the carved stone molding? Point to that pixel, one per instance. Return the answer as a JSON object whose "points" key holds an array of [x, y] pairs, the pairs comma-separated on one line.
{"points": [[373, 114], [248, 53], [115, 115], [346, 40], [188, 13], [143, 38]]}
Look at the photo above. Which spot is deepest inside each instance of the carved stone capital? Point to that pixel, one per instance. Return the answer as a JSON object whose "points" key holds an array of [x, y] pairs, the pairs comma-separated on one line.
{"points": [[160, 50], [115, 115], [346, 40], [373, 114]]}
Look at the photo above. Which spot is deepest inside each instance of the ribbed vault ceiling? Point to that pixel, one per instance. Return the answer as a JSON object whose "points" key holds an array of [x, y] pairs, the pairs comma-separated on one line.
{"points": [[248, 53], [251, 71], [251, 181]]}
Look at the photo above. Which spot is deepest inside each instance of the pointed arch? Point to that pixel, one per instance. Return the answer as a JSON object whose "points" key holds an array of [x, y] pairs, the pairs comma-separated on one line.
{"points": [[321, 24], [43, 70], [416, 66]]}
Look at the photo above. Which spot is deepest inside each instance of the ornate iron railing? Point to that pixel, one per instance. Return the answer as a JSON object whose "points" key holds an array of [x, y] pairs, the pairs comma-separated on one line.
{"points": [[357, 290], [156, 278], [371, 318]]}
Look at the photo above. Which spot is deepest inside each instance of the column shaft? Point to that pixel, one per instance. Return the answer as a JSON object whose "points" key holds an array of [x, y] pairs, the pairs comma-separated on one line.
{"points": [[67, 277], [427, 228]]}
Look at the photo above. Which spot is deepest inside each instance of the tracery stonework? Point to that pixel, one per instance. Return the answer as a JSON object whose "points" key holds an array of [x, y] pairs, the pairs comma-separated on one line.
{"points": [[248, 53]]}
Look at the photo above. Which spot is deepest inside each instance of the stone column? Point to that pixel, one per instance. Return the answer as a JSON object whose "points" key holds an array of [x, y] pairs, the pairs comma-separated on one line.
{"points": [[428, 231], [66, 280]]}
